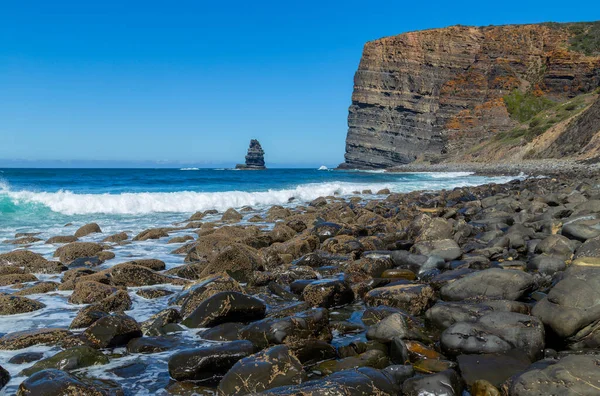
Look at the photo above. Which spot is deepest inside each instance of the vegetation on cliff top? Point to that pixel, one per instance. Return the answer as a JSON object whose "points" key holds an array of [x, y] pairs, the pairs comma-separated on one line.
{"points": [[586, 38], [538, 114]]}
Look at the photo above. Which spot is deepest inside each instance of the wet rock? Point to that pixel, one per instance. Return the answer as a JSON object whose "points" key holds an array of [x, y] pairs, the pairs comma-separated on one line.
{"points": [[26, 357], [569, 310], [447, 249], [571, 375], [327, 293], [190, 271], [313, 351], [444, 383], [226, 307], [21, 258], [135, 275], [191, 298], [232, 215], [70, 359], [494, 368], [11, 279], [133, 369], [556, 245], [151, 294], [38, 288], [325, 230], [57, 382], [87, 229], [12, 305], [117, 302], [370, 358], [238, 260], [90, 292], [389, 328], [414, 298], [152, 233], [156, 324], [267, 369], [85, 262], [24, 339], [484, 388], [116, 238], [492, 283], [4, 377], [579, 232], [113, 331], [146, 345], [291, 330], [22, 241], [208, 364], [545, 264], [223, 332], [181, 239], [281, 233], [591, 248], [364, 381], [75, 250], [496, 332]]}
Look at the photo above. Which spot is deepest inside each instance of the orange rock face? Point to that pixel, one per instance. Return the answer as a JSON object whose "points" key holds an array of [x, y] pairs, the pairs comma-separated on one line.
{"points": [[436, 92]]}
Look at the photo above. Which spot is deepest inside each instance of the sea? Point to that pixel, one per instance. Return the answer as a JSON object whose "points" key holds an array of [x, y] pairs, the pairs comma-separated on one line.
{"points": [[58, 201]]}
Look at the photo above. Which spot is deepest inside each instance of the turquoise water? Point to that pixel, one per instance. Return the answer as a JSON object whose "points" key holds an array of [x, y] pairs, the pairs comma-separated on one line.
{"points": [[45, 199]]}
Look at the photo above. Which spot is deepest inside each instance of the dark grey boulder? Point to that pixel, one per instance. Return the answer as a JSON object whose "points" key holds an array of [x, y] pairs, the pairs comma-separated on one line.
{"points": [[312, 324], [364, 381], [226, 307], [87, 229], [223, 332], [70, 359], [209, 363], [52, 382], [571, 375], [447, 383], [496, 332], [492, 283], [267, 369], [494, 368], [4, 377], [571, 308], [545, 264], [112, 331], [591, 248], [580, 232], [328, 293], [389, 328], [445, 314], [147, 345]]}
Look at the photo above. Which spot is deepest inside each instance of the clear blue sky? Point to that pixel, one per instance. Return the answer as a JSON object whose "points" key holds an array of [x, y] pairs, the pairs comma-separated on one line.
{"points": [[193, 81]]}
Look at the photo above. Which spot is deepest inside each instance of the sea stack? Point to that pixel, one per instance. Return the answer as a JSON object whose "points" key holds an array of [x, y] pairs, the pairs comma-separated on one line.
{"points": [[255, 159]]}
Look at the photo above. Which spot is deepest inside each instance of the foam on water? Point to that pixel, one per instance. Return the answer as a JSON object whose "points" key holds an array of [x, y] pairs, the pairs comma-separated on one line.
{"points": [[71, 203]]}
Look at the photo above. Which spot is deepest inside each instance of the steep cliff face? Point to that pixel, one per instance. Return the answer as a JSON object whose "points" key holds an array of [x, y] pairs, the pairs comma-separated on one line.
{"points": [[434, 94]]}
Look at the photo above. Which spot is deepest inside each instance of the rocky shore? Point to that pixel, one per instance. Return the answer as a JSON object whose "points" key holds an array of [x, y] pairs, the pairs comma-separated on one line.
{"points": [[489, 290]]}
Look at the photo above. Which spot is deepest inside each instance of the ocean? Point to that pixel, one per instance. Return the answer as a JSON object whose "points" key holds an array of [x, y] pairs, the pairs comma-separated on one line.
{"points": [[58, 201]]}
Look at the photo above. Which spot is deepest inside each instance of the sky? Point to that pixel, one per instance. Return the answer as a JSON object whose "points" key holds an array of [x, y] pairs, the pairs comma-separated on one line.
{"points": [[145, 83]]}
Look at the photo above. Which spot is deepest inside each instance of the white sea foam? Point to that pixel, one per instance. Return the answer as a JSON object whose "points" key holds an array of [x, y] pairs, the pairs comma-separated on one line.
{"points": [[323, 167], [189, 169], [70, 203]]}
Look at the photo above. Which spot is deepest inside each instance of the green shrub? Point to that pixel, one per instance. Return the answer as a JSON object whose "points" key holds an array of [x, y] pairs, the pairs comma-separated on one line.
{"points": [[586, 38], [524, 106]]}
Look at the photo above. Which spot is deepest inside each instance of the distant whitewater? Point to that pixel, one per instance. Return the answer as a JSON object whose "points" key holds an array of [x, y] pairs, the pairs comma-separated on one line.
{"points": [[143, 198]]}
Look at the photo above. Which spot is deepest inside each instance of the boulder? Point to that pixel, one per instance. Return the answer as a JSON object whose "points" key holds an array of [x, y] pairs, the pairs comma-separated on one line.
{"points": [[13, 305], [152, 233], [90, 292], [291, 330], [447, 249], [21, 258], [11, 279], [147, 345], [112, 331], [388, 328], [61, 239], [135, 275], [70, 359], [495, 332], [267, 369], [4, 377], [492, 283], [571, 375], [556, 245], [38, 288], [27, 338], [328, 293], [364, 381], [208, 364], [191, 298], [156, 324], [414, 298], [370, 358], [238, 260], [226, 307], [57, 382], [232, 215], [493, 368], [75, 250], [116, 238], [87, 229], [447, 383], [570, 310]]}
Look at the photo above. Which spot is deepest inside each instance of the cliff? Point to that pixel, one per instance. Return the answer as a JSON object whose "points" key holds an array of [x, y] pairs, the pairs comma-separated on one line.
{"points": [[438, 94]]}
